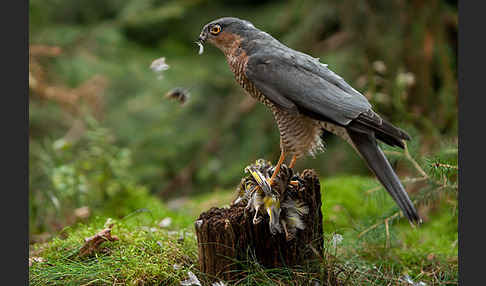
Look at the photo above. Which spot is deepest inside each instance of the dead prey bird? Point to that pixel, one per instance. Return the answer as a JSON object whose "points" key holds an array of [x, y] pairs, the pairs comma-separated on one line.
{"points": [[285, 212], [306, 97]]}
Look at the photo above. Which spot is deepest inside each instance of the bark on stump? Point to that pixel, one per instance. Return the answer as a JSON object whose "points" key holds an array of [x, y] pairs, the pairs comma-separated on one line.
{"points": [[226, 235]]}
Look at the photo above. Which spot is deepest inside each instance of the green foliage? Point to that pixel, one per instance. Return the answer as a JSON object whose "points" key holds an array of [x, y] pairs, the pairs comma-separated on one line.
{"points": [[75, 12], [67, 175]]}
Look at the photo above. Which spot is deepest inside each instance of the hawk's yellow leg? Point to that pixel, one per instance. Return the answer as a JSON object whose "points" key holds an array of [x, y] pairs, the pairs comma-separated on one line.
{"points": [[277, 167], [292, 162]]}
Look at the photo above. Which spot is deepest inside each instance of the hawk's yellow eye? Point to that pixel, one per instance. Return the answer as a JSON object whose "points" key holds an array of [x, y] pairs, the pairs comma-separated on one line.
{"points": [[215, 29]]}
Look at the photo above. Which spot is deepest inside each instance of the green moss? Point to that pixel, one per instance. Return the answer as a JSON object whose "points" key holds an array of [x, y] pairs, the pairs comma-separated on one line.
{"points": [[351, 200], [350, 208], [146, 253], [140, 254], [142, 207]]}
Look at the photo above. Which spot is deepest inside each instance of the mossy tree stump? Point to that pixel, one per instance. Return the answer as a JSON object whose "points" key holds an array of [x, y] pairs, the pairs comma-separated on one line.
{"points": [[228, 235]]}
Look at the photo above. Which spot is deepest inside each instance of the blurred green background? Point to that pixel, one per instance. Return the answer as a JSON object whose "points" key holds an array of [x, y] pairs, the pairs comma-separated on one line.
{"points": [[101, 126]]}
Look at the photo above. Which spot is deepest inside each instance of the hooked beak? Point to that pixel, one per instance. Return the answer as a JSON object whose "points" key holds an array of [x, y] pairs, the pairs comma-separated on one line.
{"points": [[200, 42], [202, 38]]}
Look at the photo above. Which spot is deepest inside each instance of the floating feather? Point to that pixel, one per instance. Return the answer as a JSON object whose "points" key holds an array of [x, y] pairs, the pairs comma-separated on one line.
{"points": [[159, 65]]}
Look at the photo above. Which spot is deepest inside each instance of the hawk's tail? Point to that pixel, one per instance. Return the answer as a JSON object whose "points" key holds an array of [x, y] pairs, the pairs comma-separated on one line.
{"points": [[367, 146], [383, 130]]}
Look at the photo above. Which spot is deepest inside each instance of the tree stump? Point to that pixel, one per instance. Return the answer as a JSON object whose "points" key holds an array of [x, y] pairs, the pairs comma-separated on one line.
{"points": [[228, 235]]}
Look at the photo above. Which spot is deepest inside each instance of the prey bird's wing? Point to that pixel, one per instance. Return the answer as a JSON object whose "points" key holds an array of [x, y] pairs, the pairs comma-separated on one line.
{"points": [[293, 80], [260, 179]]}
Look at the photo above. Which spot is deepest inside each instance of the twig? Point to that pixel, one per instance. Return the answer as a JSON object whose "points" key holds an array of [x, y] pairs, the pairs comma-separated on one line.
{"points": [[408, 180], [383, 221], [377, 224], [387, 245], [396, 153], [424, 176], [415, 164], [373, 189], [316, 252]]}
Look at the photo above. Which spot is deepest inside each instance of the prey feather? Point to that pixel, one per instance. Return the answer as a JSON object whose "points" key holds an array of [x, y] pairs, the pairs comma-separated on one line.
{"points": [[201, 47]]}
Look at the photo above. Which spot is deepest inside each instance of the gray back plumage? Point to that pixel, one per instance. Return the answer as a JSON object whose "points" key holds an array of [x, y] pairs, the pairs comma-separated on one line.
{"points": [[296, 81]]}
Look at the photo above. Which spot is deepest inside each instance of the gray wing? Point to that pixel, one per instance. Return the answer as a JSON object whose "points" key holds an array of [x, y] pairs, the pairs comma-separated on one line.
{"points": [[297, 81]]}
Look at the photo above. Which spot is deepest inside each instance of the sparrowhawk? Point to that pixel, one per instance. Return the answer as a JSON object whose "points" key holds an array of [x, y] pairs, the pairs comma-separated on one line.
{"points": [[305, 97]]}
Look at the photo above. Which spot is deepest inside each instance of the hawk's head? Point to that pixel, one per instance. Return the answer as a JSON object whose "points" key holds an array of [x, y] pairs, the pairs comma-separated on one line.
{"points": [[225, 32]]}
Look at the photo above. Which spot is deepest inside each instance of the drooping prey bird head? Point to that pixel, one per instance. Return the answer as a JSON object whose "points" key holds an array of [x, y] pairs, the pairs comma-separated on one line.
{"points": [[224, 33]]}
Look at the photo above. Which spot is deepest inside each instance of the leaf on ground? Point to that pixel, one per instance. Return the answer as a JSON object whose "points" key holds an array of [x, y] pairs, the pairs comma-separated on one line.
{"points": [[92, 243]]}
